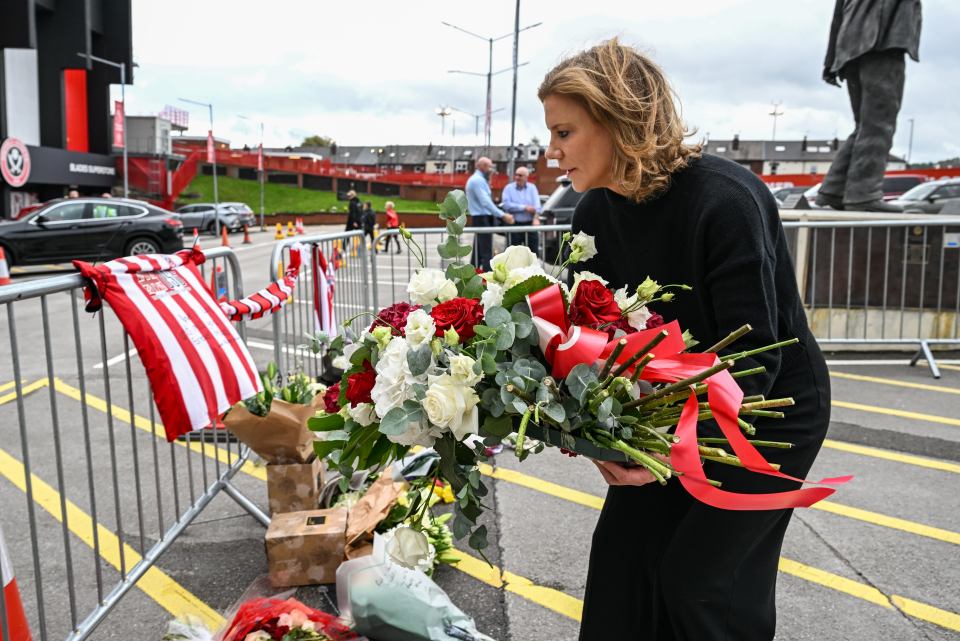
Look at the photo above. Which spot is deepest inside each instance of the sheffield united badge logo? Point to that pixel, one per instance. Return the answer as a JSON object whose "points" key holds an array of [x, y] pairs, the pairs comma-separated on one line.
{"points": [[14, 162]]}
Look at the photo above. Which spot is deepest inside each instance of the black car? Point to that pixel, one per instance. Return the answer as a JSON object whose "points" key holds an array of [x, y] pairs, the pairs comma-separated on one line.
{"points": [[93, 229], [558, 210]]}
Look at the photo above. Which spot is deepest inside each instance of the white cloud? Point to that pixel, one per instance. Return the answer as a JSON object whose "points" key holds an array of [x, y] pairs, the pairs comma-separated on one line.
{"points": [[373, 72]]}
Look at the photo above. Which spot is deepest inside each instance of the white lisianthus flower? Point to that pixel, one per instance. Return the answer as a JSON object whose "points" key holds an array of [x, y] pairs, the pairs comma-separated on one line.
{"points": [[582, 276], [452, 405], [624, 300], [582, 247], [430, 285], [341, 362], [461, 369], [382, 335], [420, 328], [394, 381], [638, 318], [258, 635], [517, 276], [409, 548], [492, 296], [363, 413], [513, 257]]}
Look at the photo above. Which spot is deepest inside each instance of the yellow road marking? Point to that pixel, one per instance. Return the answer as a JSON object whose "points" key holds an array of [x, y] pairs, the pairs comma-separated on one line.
{"points": [[560, 602], [119, 413], [32, 387], [889, 411], [892, 522], [889, 455], [953, 367], [6, 386], [155, 583], [897, 383], [533, 483]]}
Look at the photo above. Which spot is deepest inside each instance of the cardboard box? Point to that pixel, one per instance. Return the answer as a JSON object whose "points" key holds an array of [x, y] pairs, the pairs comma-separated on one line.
{"points": [[294, 487], [306, 548]]}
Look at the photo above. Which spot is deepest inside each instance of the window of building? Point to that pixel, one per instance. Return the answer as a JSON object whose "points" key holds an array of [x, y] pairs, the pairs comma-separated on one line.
{"points": [[533, 153], [347, 154], [780, 148], [811, 149], [461, 166], [773, 167], [418, 169], [442, 152], [720, 150], [824, 149], [468, 152], [813, 169]]}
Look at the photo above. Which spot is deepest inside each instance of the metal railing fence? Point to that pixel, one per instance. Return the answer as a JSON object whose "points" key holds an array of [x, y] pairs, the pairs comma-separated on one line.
{"points": [[105, 494]]}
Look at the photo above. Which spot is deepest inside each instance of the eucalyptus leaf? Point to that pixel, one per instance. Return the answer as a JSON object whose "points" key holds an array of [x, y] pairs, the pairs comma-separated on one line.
{"points": [[506, 334], [483, 331], [473, 287], [496, 316], [478, 540], [579, 380], [530, 368], [523, 322], [419, 359], [604, 411], [396, 420], [325, 423], [494, 426], [555, 412]]}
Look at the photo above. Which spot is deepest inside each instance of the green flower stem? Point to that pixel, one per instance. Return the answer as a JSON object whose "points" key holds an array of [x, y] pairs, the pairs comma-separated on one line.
{"points": [[611, 360], [413, 247], [522, 432], [752, 399], [777, 444], [657, 435], [762, 413], [731, 337], [766, 348], [519, 393], [749, 372], [639, 368], [669, 389], [641, 353], [734, 461], [659, 470], [746, 427], [767, 404]]}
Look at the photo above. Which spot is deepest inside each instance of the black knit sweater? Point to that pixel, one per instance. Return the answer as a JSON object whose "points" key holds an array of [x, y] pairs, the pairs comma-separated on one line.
{"points": [[717, 229]]}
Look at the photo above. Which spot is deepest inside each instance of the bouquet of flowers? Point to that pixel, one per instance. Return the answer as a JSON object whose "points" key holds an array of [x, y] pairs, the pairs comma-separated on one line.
{"points": [[284, 620], [475, 357]]}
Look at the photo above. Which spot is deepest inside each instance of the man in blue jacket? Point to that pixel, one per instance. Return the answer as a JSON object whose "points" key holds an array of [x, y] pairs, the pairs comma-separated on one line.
{"points": [[483, 211]]}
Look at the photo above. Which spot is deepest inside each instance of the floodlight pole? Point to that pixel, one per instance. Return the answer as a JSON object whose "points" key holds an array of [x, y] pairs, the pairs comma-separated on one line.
{"points": [[216, 194], [123, 101]]}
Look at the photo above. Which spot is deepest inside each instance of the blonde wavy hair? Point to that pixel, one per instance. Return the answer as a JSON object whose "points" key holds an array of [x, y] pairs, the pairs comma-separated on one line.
{"points": [[629, 95]]}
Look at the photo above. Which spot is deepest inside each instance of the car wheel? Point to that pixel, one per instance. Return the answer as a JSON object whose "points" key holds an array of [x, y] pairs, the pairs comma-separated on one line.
{"points": [[139, 246]]}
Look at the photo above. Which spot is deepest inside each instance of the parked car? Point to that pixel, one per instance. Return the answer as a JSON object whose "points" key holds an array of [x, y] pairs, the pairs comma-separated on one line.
{"points": [[782, 193], [558, 210], [201, 216], [930, 197], [93, 229], [896, 185]]}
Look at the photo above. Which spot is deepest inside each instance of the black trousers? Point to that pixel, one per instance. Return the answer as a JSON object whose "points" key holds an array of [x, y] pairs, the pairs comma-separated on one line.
{"points": [[394, 238], [875, 84], [482, 243], [665, 567], [530, 239]]}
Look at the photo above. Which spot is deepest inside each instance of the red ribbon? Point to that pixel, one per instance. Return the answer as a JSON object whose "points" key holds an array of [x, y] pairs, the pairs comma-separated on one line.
{"points": [[565, 346]]}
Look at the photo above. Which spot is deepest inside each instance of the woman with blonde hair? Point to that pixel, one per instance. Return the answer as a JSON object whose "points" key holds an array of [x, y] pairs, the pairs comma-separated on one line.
{"points": [[664, 566]]}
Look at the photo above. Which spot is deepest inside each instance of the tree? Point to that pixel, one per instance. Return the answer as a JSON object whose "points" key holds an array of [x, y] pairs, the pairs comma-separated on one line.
{"points": [[317, 141]]}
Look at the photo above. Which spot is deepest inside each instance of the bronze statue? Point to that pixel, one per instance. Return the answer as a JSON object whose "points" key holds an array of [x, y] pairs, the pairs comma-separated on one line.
{"points": [[868, 39]]}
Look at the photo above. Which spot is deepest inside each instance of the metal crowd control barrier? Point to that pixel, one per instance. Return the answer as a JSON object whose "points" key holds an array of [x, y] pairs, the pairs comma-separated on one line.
{"points": [[866, 282], [105, 494]]}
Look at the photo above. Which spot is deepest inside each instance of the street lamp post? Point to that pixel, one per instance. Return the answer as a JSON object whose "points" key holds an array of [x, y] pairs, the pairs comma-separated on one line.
{"points": [[123, 100], [443, 111], [477, 117], [216, 194]]}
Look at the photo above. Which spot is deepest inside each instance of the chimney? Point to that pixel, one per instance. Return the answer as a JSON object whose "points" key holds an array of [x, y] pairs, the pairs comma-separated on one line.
{"points": [[803, 148], [835, 144], [735, 145]]}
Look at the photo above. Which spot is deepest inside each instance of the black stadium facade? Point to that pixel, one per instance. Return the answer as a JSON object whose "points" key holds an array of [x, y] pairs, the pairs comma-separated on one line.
{"points": [[55, 122]]}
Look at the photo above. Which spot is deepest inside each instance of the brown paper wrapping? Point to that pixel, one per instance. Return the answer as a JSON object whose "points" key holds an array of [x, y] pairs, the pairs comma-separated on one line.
{"points": [[282, 436], [294, 487], [299, 553], [368, 512]]}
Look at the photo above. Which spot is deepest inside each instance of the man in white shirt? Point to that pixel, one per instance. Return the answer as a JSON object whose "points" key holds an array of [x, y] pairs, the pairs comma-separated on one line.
{"points": [[522, 199]]}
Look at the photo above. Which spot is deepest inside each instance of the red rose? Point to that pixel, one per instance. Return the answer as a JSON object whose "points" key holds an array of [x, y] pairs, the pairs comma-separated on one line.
{"points": [[655, 320], [459, 313], [359, 385], [593, 304], [331, 399], [394, 317]]}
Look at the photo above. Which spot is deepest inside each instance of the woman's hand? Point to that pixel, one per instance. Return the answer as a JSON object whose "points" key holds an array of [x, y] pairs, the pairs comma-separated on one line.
{"points": [[616, 474]]}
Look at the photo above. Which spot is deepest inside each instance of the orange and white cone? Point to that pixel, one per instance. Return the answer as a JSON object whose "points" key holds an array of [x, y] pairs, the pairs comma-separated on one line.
{"points": [[196, 237], [300, 226], [246, 236], [4, 270], [16, 618], [224, 239]]}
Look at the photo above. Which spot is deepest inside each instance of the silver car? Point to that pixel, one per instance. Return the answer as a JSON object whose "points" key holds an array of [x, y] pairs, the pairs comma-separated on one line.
{"points": [[201, 216], [931, 197]]}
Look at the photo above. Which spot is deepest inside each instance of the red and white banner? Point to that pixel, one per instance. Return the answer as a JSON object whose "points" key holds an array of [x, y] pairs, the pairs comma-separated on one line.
{"points": [[16, 618], [118, 123], [211, 157], [324, 279], [271, 298], [196, 363]]}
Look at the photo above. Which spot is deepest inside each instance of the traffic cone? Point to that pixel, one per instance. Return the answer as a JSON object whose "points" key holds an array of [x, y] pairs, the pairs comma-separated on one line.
{"points": [[279, 234], [196, 238], [4, 270], [246, 236], [300, 226], [290, 231], [16, 618], [224, 239]]}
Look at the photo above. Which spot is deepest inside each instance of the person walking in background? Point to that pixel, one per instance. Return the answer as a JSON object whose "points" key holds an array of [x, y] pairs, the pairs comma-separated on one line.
{"points": [[521, 199], [393, 222], [868, 40], [483, 211], [354, 212], [369, 218]]}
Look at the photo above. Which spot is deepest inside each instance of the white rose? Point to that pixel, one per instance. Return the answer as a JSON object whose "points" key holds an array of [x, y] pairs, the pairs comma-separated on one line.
{"points": [[582, 276], [451, 405], [394, 380], [420, 328], [363, 413], [582, 247], [638, 318], [624, 300], [513, 257], [409, 548], [492, 296], [429, 285], [461, 369]]}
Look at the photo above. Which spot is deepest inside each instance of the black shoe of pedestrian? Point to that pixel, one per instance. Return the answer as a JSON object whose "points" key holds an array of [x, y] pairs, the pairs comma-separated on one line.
{"points": [[875, 206], [829, 200]]}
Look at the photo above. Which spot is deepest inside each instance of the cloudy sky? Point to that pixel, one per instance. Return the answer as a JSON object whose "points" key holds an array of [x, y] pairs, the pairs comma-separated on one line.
{"points": [[373, 72]]}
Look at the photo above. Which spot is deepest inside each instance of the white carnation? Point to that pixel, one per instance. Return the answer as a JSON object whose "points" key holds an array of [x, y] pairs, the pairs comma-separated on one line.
{"points": [[430, 285], [582, 247], [420, 328], [461, 369], [363, 413], [582, 276], [492, 296], [394, 381], [452, 405]]}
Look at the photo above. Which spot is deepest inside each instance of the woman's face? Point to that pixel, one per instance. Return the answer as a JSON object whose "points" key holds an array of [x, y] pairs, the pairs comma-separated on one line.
{"points": [[583, 147]]}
